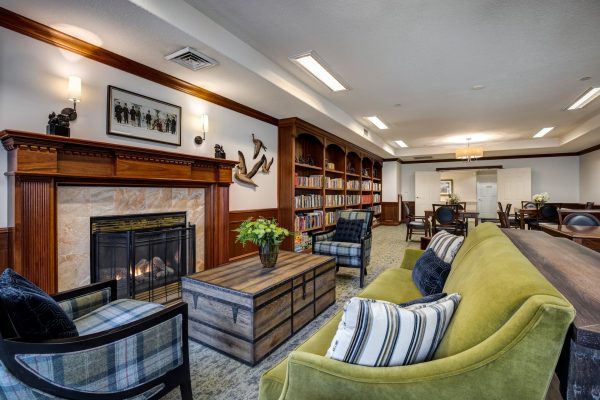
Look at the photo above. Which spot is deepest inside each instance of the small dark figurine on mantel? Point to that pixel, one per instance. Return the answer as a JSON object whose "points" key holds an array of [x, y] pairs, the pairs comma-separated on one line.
{"points": [[219, 152], [59, 124]]}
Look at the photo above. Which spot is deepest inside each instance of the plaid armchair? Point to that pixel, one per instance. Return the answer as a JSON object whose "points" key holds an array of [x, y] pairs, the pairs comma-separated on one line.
{"points": [[126, 349], [348, 254]]}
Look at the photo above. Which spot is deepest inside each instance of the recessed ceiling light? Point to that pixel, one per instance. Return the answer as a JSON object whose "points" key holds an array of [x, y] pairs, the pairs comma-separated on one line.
{"points": [[401, 143], [542, 132], [312, 63], [477, 87], [585, 98], [377, 122], [397, 105]]}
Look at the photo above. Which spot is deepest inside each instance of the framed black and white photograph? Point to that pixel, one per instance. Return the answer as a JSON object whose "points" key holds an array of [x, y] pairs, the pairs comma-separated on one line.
{"points": [[446, 187], [134, 115]]}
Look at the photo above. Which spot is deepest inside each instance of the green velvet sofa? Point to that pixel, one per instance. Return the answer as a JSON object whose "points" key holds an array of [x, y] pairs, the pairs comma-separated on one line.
{"points": [[502, 343]]}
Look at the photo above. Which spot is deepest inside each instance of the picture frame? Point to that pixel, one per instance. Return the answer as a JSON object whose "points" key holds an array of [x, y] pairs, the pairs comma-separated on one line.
{"points": [[147, 118], [446, 187]]}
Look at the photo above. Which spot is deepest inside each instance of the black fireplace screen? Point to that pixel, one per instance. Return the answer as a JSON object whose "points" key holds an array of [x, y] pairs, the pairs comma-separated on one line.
{"points": [[147, 254]]}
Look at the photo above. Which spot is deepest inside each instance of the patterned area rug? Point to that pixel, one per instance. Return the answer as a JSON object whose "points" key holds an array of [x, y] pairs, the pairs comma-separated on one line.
{"points": [[217, 377]]}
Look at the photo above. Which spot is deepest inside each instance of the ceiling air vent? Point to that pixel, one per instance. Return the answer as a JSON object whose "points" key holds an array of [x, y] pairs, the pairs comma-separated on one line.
{"points": [[422, 157], [192, 59]]}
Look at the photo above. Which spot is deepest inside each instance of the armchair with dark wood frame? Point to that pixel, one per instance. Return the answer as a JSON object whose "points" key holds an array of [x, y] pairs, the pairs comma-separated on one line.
{"points": [[414, 222], [348, 254], [19, 356]]}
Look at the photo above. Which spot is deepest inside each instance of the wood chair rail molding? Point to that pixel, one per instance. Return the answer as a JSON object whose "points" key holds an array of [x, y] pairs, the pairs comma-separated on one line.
{"points": [[18, 23], [38, 163]]}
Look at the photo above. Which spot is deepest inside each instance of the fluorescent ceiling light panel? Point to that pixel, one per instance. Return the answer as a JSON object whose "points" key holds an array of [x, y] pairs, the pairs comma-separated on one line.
{"points": [[317, 68], [401, 143], [585, 98], [543, 132], [377, 122]]}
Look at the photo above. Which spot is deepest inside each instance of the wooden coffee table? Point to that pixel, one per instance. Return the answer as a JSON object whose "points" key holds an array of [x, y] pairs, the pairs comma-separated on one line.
{"points": [[246, 311]]}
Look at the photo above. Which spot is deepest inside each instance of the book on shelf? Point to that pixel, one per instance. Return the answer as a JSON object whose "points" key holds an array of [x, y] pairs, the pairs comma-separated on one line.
{"points": [[376, 198], [377, 186], [334, 200], [308, 220], [302, 241], [334, 183], [315, 181], [330, 217], [308, 201], [366, 185], [376, 209], [352, 199], [353, 185], [366, 198]]}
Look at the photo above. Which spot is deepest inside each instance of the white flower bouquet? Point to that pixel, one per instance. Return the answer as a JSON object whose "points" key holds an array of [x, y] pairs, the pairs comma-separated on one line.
{"points": [[541, 197]]}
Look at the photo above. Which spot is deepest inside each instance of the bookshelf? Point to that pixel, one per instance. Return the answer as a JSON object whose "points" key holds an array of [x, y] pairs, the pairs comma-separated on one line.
{"points": [[318, 175]]}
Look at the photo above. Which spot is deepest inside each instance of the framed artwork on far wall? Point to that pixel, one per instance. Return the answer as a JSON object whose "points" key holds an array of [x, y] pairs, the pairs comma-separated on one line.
{"points": [[134, 115], [445, 187]]}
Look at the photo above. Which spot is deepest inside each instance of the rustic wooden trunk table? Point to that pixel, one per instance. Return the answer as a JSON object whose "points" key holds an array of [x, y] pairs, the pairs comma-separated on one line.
{"points": [[246, 311]]}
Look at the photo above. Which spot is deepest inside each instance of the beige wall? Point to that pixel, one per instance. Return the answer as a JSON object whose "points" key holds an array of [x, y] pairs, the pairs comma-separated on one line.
{"points": [[559, 176], [33, 82], [464, 185], [589, 167]]}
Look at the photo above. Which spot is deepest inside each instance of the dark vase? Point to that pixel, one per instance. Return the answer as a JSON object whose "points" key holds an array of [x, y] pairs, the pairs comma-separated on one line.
{"points": [[268, 255]]}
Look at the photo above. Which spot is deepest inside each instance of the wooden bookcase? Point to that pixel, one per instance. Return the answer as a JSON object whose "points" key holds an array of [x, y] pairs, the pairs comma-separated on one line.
{"points": [[319, 174]]}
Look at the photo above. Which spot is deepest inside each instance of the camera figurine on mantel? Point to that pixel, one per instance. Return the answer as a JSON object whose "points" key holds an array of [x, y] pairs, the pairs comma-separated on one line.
{"points": [[59, 124]]}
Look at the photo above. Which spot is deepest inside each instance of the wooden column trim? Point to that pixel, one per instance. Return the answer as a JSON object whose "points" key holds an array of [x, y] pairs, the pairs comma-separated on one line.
{"points": [[18, 23]]}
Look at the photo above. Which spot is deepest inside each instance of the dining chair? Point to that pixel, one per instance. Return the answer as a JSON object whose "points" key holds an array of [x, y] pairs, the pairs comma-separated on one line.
{"points": [[514, 222], [546, 213], [581, 219], [414, 222], [589, 205], [447, 217], [529, 205]]}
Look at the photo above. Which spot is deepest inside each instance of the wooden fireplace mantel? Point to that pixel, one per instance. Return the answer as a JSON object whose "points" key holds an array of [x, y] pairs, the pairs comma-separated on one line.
{"points": [[38, 163]]}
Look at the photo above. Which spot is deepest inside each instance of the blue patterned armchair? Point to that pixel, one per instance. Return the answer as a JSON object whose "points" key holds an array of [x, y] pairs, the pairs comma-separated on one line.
{"points": [[126, 349], [352, 254]]}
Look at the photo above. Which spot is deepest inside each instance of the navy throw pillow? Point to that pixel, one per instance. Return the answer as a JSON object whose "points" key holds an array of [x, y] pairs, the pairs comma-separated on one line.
{"points": [[430, 273], [33, 313], [348, 230], [426, 299]]}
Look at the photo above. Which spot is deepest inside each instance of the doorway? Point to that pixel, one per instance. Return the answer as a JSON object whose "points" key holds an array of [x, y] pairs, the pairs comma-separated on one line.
{"points": [[487, 193]]}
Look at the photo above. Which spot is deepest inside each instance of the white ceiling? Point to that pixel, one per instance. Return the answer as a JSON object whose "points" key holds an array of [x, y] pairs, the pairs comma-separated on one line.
{"points": [[424, 55]]}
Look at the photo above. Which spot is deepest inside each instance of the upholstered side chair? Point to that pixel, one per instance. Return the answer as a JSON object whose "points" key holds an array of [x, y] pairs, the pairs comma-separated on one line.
{"points": [[352, 253], [126, 349]]}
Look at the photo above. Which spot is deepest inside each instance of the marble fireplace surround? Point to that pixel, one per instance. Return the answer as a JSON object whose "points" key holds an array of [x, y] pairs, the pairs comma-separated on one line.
{"points": [[76, 204], [40, 167]]}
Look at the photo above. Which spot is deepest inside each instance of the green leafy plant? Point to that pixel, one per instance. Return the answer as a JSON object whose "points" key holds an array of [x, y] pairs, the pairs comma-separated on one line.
{"points": [[453, 199], [261, 232]]}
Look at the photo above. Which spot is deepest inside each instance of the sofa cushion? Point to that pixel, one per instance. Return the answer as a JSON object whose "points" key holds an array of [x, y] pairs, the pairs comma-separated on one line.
{"points": [[424, 300], [445, 245], [115, 314], [430, 273], [348, 230], [378, 333], [33, 313]]}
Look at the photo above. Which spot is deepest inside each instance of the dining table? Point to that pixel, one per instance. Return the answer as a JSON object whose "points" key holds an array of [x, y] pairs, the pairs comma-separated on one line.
{"points": [[588, 236], [529, 212]]}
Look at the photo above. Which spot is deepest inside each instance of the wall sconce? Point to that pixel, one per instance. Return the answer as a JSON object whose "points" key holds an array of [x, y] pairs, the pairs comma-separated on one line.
{"points": [[59, 124], [204, 126]]}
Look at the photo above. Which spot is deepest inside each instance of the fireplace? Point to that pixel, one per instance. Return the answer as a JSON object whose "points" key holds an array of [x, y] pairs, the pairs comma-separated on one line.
{"points": [[146, 253]]}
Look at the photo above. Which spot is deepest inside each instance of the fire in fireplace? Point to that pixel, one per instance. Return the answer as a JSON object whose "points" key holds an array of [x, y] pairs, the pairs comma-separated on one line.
{"points": [[146, 253]]}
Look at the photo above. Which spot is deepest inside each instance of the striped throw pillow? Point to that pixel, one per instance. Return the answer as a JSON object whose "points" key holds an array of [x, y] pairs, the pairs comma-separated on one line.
{"points": [[445, 245], [381, 334]]}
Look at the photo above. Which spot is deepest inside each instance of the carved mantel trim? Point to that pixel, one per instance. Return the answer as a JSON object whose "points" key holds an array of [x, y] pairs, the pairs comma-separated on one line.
{"points": [[38, 163]]}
